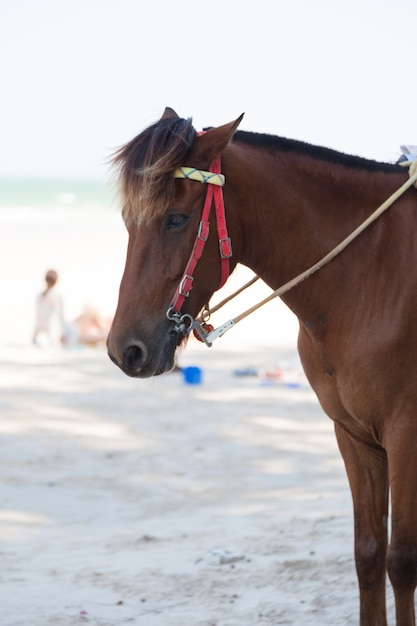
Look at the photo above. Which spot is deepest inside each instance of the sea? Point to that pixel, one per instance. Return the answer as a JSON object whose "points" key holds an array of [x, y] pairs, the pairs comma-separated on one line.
{"points": [[43, 197]]}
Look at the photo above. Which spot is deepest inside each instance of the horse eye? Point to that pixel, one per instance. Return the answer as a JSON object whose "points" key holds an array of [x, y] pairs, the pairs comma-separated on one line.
{"points": [[175, 220]]}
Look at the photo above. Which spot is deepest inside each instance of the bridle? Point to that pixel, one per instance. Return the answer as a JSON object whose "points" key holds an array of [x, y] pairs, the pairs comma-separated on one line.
{"points": [[214, 180]]}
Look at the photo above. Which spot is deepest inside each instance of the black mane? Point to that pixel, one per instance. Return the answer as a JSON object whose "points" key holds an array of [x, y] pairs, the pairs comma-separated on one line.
{"points": [[282, 144]]}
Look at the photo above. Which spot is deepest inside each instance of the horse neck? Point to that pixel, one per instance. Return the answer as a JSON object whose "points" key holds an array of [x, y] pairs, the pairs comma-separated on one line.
{"points": [[293, 209]]}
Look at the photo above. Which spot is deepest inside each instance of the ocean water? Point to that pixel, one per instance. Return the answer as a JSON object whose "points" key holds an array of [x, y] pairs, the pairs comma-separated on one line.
{"points": [[27, 196]]}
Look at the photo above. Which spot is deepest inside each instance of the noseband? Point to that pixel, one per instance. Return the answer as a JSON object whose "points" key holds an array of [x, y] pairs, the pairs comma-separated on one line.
{"points": [[215, 182]]}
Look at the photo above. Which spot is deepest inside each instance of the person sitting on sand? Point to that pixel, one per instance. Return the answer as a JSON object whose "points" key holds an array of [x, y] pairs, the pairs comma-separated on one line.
{"points": [[90, 328], [49, 320]]}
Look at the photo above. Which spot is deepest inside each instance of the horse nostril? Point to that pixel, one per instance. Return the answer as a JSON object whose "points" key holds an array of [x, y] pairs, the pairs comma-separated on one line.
{"points": [[135, 355]]}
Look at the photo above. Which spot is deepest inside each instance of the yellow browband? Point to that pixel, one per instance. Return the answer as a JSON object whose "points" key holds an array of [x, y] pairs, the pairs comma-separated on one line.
{"points": [[201, 175]]}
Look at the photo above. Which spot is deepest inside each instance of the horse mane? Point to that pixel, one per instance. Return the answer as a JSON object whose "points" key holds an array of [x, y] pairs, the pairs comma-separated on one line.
{"points": [[146, 164], [282, 144]]}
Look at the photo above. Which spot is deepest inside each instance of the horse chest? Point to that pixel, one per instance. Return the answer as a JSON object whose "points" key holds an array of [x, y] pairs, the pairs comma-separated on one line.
{"points": [[349, 385]]}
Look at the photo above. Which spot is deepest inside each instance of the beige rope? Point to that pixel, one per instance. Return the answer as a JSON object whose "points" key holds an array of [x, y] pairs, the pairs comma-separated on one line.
{"points": [[413, 170], [233, 295]]}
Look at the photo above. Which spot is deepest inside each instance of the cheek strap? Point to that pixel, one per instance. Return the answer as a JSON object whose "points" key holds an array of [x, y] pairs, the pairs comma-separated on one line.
{"points": [[215, 182]]}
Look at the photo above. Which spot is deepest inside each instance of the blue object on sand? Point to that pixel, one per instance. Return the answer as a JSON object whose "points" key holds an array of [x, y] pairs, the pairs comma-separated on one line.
{"points": [[192, 375]]}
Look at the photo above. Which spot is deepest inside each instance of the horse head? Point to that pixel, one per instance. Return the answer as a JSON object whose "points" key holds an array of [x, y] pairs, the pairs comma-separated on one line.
{"points": [[162, 214]]}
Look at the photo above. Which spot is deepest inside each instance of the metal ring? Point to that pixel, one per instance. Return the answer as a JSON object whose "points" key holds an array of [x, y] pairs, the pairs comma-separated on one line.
{"points": [[205, 314], [173, 317], [182, 328], [183, 323]]}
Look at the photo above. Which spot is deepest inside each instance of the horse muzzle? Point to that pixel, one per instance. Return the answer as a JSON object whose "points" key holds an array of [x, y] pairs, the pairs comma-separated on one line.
{"points": [[139, 360]]}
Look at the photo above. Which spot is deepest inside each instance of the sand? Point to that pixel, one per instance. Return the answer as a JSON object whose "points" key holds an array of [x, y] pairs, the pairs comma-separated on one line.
{"points": [[153, 502]]}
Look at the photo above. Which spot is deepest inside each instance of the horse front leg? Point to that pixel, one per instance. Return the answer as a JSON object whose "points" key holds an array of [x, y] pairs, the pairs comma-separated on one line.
{"points": [[401, 445], [367, 472]]}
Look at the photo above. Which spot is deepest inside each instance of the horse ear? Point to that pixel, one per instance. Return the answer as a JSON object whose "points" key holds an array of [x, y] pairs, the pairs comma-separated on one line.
{"points": [[215, 140], [169, 114]]}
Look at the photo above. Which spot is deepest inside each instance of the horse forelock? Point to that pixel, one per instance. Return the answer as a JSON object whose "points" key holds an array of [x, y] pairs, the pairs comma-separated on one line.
{"points": [[146, 166]]}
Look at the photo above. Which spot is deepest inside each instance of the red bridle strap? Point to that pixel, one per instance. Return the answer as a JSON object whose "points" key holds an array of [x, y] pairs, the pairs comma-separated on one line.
{"points": [[214, 193]]}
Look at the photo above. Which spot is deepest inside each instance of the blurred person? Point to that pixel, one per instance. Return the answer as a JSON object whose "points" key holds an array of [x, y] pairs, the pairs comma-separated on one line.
{"points": [[90, 329], [49, 316]]}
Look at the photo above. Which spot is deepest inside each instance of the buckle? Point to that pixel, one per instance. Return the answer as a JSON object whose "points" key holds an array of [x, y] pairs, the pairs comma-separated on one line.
{"points": [[225, 247], [186, 285], [203, 230]]}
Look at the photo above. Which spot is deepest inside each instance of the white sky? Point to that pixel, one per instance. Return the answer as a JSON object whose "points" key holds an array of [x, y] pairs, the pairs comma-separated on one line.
{"points": [[81, 77]]}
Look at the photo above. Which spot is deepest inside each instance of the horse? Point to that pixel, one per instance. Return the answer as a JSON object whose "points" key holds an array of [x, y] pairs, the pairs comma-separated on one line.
{"points": [[288, 203]]}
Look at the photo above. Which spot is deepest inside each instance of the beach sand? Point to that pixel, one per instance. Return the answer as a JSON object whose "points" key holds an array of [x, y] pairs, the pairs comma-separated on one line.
{"points": [[153, 502]]}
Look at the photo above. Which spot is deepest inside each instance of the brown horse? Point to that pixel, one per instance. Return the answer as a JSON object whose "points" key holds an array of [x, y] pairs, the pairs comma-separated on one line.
{"points": [[287, 204]]}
